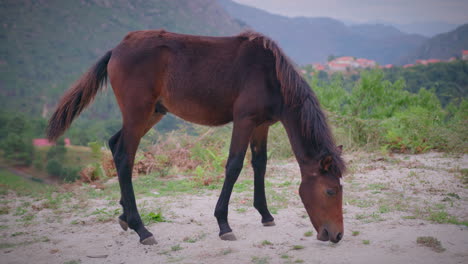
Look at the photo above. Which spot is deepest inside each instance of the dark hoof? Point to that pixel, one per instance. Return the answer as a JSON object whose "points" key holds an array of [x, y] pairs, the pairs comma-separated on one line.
{"points": [[228, 236], [149, 241], [269, 223], [123, 224]]}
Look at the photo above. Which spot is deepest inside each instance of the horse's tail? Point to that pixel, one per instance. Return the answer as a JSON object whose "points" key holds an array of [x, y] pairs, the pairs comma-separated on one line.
{"points": [[78, 97]]}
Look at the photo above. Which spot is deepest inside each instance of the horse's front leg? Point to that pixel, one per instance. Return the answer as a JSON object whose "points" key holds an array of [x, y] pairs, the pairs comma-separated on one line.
{"points": [[240, 139], [258, 146]]}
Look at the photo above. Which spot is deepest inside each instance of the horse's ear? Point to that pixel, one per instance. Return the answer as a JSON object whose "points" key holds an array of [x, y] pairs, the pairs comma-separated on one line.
{"points": [[325, 163], [340, 149]]}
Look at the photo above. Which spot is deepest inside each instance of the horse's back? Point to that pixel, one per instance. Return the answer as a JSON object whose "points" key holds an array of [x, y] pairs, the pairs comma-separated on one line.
{"points": [[197, 78]]}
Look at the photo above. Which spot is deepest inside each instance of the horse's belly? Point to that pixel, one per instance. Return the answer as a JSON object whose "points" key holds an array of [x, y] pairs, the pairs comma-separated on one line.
{"points": [[201, 113]]}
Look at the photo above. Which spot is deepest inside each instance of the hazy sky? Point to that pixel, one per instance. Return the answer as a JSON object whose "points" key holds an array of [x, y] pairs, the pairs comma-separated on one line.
{"points": [[395, 11]]}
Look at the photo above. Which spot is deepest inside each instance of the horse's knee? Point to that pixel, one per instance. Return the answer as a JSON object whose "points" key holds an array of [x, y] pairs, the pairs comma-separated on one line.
{"points": [[234, 166]]}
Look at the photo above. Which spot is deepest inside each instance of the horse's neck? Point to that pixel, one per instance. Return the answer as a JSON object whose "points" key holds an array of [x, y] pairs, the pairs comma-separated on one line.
{"points": [[305, 155]]}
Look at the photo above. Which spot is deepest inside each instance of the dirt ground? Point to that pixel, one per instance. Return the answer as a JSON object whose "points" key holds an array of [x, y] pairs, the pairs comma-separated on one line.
{"points": [[389, 202]]}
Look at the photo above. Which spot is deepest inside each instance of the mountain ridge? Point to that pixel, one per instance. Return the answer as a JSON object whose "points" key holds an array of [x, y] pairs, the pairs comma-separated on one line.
{"points": [[307, 40]]}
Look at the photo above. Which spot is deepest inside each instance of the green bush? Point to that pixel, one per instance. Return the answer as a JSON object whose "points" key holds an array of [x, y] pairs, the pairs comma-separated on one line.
{"points": [[54, 167], [58, 151], [70, 174], [376, 112]]}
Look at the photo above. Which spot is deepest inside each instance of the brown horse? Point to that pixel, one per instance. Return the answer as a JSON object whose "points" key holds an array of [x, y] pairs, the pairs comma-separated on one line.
{"points": [[244, 79]]}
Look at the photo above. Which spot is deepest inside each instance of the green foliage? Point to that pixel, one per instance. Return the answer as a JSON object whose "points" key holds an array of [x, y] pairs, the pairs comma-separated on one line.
{"points": [[22, 186], [376, 112], [54, 167], [152, 217], [56, 157], [449, 80], [57, 151], [16, 138], [46, 48]]}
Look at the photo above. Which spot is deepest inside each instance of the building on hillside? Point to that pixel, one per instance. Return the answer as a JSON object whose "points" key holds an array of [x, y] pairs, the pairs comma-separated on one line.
{"points": [[365, 63], [318, 66], [464, 54], [408, 65], [347, 60], [43, 142], [386, 66], [428, 61], [335, 67]]}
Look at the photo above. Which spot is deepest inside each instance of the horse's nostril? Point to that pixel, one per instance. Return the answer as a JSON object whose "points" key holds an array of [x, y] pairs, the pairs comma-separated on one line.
{"points": [[339, 236]]}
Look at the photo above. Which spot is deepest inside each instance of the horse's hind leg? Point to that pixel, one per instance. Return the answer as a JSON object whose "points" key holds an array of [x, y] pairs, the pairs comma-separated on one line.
{"points": [[258, 146], [112, 145], [139, 117]]}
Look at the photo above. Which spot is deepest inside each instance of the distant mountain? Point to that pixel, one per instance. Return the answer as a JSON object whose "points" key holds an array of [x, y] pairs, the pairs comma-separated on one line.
{"points": [[442, 46], [427, 29], [308, 40], [46, 45]]}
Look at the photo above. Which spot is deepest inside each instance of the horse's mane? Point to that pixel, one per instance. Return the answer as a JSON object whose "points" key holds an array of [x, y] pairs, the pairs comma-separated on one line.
{"points": [[297, 94]]}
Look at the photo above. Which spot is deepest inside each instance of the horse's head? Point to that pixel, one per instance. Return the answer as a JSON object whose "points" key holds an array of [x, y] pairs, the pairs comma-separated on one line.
{"points": [[322, 194]]}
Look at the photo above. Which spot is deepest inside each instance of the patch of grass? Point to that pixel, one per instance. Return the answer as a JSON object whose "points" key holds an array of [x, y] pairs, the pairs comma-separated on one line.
{"points": [[241, 210], [243, 186], [56, 199], [20, 211], [105, 215], [430, 242], [17, 234], [259, 260], [266, 243], [454, 195], [299, 261], [384, 209], [464, 176], [442, 217], [22, 186], [194, 239], [366, 242], [297, 247], [226, 251], [355, 233], [285, 184], [176, 247], [24, 243], [308, 234], [285, 256], [369, 218], [152, 217], [4, 210], [27, 218], [72, 262], [377, 186], [409, 217]]}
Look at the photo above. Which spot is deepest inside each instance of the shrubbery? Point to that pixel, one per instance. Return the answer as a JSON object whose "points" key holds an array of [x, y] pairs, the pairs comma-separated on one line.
{"points": [[379, 113], [55, 163], [16, 133]]}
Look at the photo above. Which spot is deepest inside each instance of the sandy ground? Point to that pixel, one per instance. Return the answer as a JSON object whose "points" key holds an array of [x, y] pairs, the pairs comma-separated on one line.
{"points": [[389, 200]]}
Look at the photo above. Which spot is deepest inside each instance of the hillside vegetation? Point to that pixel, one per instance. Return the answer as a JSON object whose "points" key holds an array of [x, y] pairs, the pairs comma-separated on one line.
{"points": [[47, 45], [442, 46]]}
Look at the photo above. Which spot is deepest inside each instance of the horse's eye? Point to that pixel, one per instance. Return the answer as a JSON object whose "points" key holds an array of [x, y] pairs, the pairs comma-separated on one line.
{"points": [[331, 192]]}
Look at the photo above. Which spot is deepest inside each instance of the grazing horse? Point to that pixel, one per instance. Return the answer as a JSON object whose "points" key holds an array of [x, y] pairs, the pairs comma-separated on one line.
{"points": [[244, 79]]}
